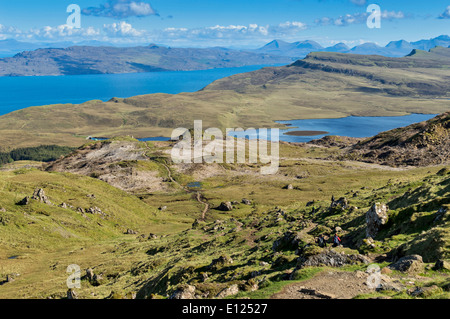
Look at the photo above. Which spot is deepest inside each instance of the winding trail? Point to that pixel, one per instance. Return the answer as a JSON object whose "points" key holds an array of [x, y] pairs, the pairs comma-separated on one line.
{"points": [[198, 197]]}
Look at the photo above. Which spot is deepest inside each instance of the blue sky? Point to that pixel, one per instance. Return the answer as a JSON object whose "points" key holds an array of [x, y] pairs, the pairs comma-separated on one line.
{"points": [[231, 23]]}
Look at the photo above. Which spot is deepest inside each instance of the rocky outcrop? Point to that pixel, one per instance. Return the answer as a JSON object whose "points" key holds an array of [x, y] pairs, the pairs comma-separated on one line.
{"points": [[220, 262], [225, 206], [376, 216], [442, 265], [409, 264], [184, 292], [289, 241], [39, 195], [340, 203], [230, 291], [331, 258]]}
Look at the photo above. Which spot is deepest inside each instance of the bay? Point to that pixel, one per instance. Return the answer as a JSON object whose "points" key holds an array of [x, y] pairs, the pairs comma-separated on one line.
{"points": [[21, 92]]}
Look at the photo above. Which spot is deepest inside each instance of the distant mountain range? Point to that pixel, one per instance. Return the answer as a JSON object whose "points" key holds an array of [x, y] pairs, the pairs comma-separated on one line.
{"points": [[393, 49], [109, 60], [95, 57]]}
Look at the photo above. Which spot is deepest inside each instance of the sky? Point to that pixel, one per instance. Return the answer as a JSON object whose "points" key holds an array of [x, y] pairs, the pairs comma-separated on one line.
{"points": [[231, 23]]}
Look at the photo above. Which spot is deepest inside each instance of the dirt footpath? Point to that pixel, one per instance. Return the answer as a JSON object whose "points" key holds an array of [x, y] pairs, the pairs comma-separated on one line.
{"points": [[327, 285]]}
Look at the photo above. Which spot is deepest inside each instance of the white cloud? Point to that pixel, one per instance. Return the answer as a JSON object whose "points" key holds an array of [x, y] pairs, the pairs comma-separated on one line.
{"points": [[122, 29], [120, 9], [445, 14], [124, 32], [358, 18]]}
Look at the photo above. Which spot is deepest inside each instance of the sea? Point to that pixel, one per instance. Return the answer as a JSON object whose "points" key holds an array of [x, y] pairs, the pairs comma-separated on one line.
{"points": [[21, 92]]}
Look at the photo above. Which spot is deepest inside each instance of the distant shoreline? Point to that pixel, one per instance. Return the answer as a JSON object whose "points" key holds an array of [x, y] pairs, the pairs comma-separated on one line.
{"points": [[306, 133]]}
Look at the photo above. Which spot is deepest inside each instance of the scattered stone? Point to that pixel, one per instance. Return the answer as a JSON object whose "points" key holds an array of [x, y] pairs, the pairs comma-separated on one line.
{"points": [[263, 263], [337, 229], [184, 292], [289, 240], [230, 291], [361, 274], [390, 286], [331, 258], [10, 278], [98, 280], [410, 264], [39, 195], [376, 216], [90, 274], [71, 294], [289, 186], [2, 210], [225, 207], [152, 236], [24, 201], [90, 196], [340, 203], [246, 201], [313, 292], [441, 265], [162, 208], [424, 292], [63, 205], [220, 262], [440, 214], [131, 232], [95, 211]]}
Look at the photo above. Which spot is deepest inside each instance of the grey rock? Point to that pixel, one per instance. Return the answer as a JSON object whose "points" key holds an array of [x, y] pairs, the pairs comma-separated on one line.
{"points": [[225, 207], [71, 294], [441, 265], [185, 292], [410, 264], [230, 291], [376, 216], [24, 201], [331, 258]]}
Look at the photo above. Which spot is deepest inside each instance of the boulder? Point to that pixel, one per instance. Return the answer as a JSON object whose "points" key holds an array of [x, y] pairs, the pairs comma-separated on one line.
{"points": [[230, 291], [184, 292], [246, 201], [152, 236], [24, 201], [131, 232], [409, 264], [289, 186], [90, 274], [330, 258], [225, 207], [220, 262], [341, 202], [39, 195], [290, 241], [71, 294], [424, 292], [441, 265], [376, 216]]}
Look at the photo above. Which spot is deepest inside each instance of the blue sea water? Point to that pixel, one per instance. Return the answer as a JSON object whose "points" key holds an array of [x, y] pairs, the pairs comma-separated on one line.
{"points": [[21, 92]]}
